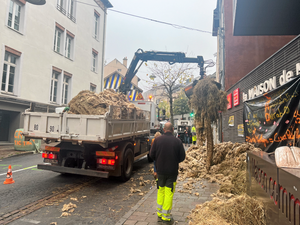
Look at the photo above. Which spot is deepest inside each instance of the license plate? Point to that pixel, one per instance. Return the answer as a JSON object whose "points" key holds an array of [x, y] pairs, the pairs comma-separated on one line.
{"points": [[55, 161]]}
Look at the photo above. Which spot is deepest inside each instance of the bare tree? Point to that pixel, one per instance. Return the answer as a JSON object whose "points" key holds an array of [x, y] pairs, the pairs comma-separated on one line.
{"points": [[181, 105], [170, 77], [207, 100]]}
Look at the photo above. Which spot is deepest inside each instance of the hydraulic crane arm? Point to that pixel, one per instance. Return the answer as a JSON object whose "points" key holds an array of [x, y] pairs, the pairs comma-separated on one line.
{"points": [[170, 57]]}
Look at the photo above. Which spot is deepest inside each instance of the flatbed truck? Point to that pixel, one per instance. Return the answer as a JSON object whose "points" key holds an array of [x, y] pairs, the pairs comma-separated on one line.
{"points": [[92, 145]]}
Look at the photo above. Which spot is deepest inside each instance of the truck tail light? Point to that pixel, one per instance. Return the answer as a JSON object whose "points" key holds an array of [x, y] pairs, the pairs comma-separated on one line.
{"points": [[50, 155], [110, 162]]}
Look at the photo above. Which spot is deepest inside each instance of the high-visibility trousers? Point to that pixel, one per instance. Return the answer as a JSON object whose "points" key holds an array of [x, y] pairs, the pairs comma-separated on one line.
{"points": [[194, 138], [166, 189]]}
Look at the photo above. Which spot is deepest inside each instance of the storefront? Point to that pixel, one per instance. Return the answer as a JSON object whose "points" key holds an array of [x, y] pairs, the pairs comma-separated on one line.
{"points": [[275, 73]]}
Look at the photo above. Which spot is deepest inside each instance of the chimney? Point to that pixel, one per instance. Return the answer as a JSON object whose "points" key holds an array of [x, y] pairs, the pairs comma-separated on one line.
{"points": [[125, 62]]}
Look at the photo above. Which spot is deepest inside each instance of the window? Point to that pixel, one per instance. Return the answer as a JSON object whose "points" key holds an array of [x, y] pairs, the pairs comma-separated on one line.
{"points": [[54, 85], [97, 23], [95, 61], [67, 7], [15, 18], [93, 87], [58, 38], [65, 91], [71, 10], [69, 45], [119, 70], [9, 72], [61, 5]]}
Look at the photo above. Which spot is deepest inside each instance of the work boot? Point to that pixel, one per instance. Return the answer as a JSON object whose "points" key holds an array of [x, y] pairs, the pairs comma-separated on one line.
{"points": [[171, 221]]}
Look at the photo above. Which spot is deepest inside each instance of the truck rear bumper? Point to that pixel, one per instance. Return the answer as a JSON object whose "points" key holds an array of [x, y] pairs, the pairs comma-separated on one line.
{"points": [[60, 169]]}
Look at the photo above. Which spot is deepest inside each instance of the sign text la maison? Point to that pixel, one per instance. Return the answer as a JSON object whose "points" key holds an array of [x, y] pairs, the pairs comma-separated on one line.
{"points": [[270, 84]]}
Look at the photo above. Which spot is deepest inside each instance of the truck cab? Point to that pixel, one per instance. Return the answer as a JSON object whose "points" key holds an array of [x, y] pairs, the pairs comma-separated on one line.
{"points": [[181, 126], [151, 107]]}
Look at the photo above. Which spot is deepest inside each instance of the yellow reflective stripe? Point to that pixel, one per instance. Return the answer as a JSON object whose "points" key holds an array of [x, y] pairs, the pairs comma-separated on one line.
{"points": [[166, 217]]}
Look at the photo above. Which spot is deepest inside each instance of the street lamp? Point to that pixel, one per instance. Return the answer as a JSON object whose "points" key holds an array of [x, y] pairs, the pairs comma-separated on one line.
{"points": [[36, 2]]}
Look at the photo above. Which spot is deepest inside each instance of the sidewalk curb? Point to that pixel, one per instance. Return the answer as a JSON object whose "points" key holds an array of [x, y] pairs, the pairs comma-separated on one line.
{"points": [[21, 154], [134, 208]]}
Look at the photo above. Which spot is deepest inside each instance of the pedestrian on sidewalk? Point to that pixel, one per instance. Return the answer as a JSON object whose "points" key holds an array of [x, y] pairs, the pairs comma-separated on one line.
{"points": [[168, 152], [187, 136], [194, 135], [157, 134]]}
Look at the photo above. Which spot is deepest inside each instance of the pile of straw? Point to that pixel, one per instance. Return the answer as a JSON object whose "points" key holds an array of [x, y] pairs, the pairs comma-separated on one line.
{"points": [[231, 204], [229, 167], [91, 103], [241, 210]]}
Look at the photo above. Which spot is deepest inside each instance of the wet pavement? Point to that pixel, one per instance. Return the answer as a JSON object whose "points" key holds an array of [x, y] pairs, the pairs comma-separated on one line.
{"points": [[144, 212]]}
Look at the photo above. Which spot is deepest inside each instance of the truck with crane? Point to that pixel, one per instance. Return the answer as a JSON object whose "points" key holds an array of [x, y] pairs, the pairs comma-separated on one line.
{"points": [[101, 145]]}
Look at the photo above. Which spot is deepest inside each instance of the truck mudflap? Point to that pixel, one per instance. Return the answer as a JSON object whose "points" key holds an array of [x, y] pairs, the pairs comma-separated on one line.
{"points": [[61, 169]]}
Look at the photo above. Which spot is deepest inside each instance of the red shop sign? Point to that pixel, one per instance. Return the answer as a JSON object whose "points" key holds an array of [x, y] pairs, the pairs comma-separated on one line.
{"points": [[236, 97], [229, 99]]}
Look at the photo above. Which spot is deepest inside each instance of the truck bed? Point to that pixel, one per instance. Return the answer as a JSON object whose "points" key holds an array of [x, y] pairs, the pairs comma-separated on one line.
{"points": [[117, 124]]}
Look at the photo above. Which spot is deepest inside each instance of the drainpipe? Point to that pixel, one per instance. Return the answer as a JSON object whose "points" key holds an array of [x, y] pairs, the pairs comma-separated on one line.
{"points": [[103, 49]]}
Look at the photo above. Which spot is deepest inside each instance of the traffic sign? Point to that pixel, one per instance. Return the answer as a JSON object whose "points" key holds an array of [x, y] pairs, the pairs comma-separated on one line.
{"points": [[140, 97]]}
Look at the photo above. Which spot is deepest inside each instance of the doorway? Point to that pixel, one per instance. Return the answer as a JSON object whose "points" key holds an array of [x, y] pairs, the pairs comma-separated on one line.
{"points": [[4, 125]]}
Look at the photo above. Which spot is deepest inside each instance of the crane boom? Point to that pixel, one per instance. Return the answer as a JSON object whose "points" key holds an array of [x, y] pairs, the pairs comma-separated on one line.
{"points": [[144, 56]]}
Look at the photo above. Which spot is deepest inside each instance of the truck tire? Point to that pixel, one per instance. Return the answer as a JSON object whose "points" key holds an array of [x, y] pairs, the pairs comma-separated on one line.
{"points": [[127, 166], [150, 160]]}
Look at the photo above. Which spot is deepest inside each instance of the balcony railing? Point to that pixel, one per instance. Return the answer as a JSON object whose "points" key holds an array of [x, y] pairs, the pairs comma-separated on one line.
{"points": [[61, 9], [71, 17]]}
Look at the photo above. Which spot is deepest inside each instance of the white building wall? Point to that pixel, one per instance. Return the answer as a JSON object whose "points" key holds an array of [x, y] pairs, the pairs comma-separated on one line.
{"points": [[36, 43]]}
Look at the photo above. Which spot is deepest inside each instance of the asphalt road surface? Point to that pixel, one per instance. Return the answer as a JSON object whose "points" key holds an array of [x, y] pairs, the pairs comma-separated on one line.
{"points": [[42, 194]]}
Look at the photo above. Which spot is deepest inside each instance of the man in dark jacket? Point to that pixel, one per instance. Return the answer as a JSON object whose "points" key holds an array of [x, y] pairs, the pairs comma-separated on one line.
{"points": [[168, 152]]}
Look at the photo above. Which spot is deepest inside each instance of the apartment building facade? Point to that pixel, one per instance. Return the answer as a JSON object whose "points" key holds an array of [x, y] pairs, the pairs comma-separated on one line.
{"points": [[48, 54]]}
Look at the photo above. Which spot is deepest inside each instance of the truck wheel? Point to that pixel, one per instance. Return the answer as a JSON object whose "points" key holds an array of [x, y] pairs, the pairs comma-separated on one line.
{"points": [[127, 165], [150, 160]]}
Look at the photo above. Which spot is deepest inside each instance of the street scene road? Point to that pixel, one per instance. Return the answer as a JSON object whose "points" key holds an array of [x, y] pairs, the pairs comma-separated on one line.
{"points": [[98, 201]]}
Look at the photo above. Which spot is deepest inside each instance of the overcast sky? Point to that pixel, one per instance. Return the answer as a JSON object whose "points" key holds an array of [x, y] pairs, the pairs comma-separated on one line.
{"points": [[126, 34]]}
